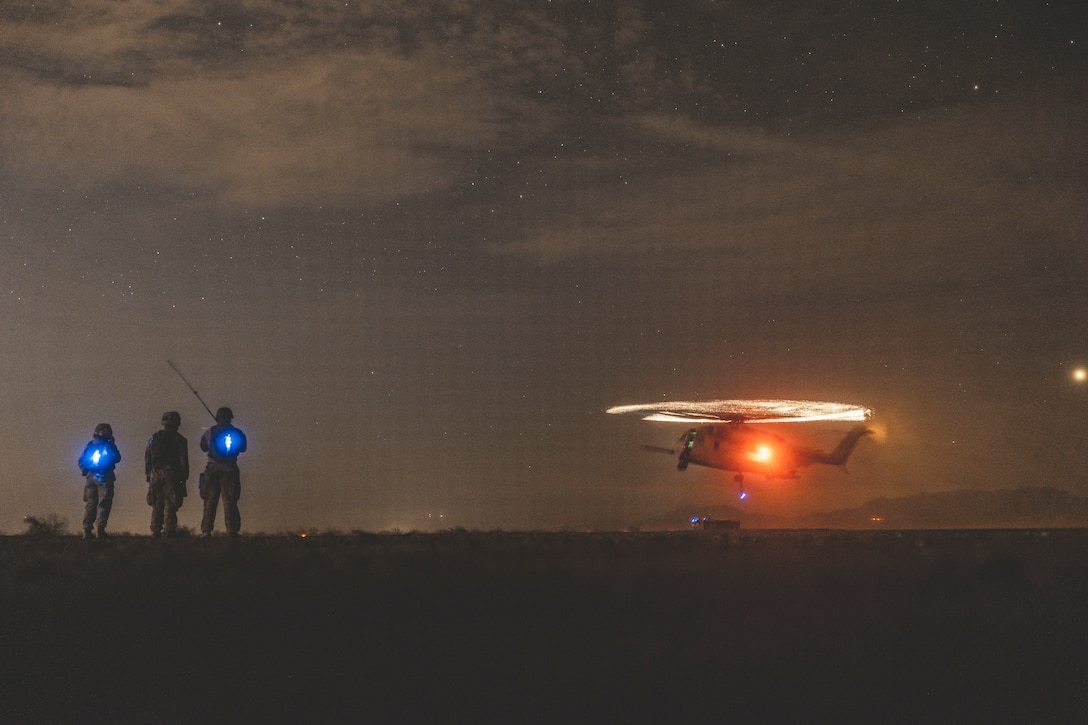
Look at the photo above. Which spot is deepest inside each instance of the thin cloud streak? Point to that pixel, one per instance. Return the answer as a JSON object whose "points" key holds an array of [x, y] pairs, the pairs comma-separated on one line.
{"points": [[945, 189]]}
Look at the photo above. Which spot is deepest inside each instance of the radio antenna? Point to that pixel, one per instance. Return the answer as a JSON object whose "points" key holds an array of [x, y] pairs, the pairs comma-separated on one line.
{"points": [[190, 386]]}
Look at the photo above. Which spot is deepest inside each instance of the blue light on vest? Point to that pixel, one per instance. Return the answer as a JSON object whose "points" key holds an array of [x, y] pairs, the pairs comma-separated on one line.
{"points": [[100, 459], [229, 442]]}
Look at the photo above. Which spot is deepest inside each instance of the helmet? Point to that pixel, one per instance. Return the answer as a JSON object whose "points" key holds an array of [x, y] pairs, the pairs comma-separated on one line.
{"points": [[103, 430], [171, 419], [224, 415]]}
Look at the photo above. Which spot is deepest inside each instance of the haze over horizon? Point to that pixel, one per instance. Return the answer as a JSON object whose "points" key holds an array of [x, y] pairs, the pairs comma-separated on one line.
{"points": [[420, 247]]}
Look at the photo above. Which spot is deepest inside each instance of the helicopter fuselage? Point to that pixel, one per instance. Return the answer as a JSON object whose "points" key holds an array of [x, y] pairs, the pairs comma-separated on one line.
{"points": [[739, 448], [744, 449]]}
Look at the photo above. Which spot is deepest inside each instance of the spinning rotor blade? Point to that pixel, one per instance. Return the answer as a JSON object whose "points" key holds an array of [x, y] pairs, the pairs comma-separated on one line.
{"points": [[747, 411]]}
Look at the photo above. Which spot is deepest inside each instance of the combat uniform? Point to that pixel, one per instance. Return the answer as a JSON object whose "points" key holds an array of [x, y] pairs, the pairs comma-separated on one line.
{"points": [[221, 476], [166, 466], [97, 464]]}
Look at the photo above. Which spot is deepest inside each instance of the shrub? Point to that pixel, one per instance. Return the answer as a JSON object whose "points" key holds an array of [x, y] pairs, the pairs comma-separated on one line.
{"points": [[48, 525]]}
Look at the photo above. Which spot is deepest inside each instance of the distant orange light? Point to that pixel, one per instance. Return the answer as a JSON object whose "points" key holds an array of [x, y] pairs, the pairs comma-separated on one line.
{"points": [[304, 535], [1080, 375]]}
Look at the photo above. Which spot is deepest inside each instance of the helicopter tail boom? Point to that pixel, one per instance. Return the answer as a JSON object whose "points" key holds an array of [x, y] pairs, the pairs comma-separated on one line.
{"points": [[839, 456], [659, 449]]}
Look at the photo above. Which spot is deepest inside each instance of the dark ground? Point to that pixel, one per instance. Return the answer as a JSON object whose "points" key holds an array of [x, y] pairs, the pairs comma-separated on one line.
{"points": [[741, 626]]}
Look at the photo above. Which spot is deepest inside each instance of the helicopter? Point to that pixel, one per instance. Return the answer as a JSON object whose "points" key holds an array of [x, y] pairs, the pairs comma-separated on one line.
{"points": [[726, 438]]}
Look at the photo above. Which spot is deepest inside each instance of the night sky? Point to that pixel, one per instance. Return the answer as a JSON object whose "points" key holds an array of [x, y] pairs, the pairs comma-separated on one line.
{"points": [[420, 247]]}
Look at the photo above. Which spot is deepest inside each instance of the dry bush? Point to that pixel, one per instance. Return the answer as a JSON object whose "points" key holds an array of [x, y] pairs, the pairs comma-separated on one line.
{"points": [[48, 525]]}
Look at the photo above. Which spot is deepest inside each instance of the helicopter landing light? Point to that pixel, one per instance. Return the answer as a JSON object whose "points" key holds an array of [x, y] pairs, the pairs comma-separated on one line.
{"points": [[763, 454]]}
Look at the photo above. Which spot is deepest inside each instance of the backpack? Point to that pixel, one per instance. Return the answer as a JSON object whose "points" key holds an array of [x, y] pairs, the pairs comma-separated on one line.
{"points": [[164, 451]]}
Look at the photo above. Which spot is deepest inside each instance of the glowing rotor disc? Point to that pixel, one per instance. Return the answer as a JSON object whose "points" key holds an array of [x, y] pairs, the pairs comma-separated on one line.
{"points": [[747, 411]]}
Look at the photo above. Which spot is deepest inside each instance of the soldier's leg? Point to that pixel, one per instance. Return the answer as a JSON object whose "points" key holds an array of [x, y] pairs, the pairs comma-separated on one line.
{"points": [[210, 494], [157, 502], [105, 505], [232, 491], [90, 507], [170, 505]]}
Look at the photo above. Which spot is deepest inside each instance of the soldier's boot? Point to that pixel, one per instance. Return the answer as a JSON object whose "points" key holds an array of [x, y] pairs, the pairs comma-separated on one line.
{"points": [[88, 534], [101, 533]]}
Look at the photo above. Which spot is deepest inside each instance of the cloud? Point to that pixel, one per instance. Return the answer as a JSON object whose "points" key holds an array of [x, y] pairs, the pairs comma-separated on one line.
{"points": [[92, 42], [311, 108], [360, 127], [956, 187]]}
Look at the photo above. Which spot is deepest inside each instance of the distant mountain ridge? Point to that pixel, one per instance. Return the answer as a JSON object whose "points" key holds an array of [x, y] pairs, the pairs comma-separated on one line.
{"points": [[1028, 507]]}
